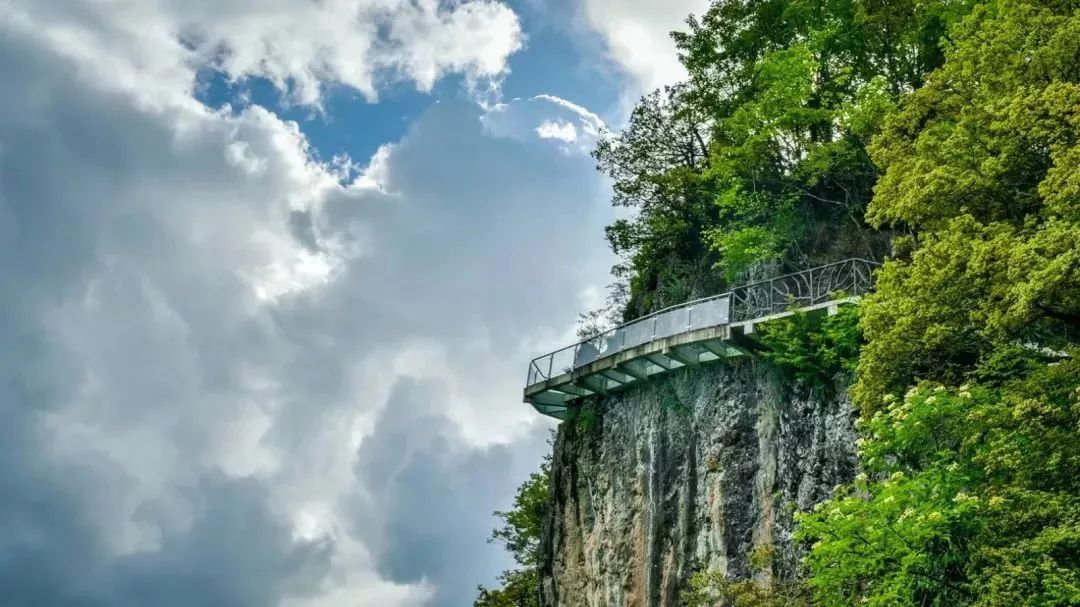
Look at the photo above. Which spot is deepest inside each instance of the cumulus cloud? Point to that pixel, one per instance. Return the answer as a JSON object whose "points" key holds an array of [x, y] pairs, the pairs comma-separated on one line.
{"points": [[637, 34], [563, 131], [203, 328], [417, 488], [300, 45], [545, 117]]}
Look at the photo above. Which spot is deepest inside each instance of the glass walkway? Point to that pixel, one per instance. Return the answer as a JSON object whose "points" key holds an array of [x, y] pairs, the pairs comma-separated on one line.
{"points": [[688, 334]]}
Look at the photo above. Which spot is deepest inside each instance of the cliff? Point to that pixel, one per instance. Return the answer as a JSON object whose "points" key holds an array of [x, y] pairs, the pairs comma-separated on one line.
{"points": [[697, 470]]}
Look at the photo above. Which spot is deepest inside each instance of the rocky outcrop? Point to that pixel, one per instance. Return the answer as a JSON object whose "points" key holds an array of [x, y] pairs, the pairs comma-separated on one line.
{"points": [[693, 471]]}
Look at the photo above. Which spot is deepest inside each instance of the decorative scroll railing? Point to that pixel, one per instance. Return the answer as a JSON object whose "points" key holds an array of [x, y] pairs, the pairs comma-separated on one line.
{"points": [[848, 278], [851, 278]]}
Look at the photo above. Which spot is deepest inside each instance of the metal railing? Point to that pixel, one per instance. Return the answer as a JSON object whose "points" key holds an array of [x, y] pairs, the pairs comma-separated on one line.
{"points": [[690, 316], [853, 277], [848, 278]]}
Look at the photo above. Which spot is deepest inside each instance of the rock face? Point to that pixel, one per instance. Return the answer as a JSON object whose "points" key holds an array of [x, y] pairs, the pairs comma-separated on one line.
{"points": [[695, 470]]}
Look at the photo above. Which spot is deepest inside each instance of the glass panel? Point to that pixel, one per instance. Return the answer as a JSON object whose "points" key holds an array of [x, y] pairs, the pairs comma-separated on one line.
{"points": [[598, 347], [854, 277], [672, 322], [563, 361], [709, 313], [637, 333]]}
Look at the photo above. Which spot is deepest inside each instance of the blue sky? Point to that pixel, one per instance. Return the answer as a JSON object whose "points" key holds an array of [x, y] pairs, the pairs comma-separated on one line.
{"points": [[272, 354], [558, 59]]}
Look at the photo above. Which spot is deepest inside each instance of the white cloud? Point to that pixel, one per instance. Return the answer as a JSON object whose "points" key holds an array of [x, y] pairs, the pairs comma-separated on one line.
{"points": [[552, 129], [591, 124], [203, 326], [575, 128], [156, 46], [637, 34]]}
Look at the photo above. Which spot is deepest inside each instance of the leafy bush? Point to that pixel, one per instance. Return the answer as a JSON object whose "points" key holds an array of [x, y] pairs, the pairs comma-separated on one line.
{"points": [[520, 533], [968, 496], [816, 351]]}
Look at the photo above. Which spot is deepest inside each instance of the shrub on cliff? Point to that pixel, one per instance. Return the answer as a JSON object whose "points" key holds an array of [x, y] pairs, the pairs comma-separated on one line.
{"points": [[968, 496], [520, 533]]}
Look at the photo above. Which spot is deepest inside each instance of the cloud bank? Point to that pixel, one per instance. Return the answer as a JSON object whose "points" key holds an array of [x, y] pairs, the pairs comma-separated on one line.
{"points": [[300, 45], [232, 375]]}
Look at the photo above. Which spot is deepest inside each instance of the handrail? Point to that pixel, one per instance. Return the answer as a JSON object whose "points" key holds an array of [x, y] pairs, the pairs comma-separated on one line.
{"points": [[801, 272], [743, 304]]}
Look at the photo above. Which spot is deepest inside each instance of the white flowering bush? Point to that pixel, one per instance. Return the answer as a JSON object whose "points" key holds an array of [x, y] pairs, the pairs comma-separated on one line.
{"points": [[891, 532], [967, 495]]}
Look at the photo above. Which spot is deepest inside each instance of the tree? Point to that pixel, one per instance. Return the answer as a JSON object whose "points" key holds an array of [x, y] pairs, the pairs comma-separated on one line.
{"points": [[758, 162], [520, 533], [523, 523], [982, 165], [519, 588], [657, 167], [968, 496], [969, 492]]}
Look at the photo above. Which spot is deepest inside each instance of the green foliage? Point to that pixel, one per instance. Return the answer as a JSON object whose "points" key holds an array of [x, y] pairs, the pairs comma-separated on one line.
{"points": [[760, 158], [969, 496], [742, 248], [816, 351], [711, 588], [585, 416], [985, 170], [1000, 146], [523, 523], [519, 588], [520, 532]]}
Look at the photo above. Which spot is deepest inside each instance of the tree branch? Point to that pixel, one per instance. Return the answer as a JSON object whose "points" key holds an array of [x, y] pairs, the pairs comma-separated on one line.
{"points": [[1070, 318]]}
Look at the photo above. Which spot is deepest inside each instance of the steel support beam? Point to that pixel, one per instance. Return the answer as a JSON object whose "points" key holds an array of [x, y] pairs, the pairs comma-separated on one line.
{"points": [[615, 376], [576, 390], [593, 383], [551, 397], [680, 354], [630, 368], [661, 360]]}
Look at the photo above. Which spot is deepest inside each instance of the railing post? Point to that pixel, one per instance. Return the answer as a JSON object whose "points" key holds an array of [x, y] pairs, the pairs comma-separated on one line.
{"points": [[551, 362]]}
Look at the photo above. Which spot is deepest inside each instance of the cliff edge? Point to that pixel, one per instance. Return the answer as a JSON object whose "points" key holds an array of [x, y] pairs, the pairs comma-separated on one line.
{"points": [[701, 470]]}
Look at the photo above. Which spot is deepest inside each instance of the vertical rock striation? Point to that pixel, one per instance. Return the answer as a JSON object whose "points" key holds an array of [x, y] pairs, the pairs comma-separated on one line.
{"points": [[695, 470]]}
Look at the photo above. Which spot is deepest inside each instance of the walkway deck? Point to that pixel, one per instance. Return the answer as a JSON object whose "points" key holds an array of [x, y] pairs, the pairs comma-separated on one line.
{"points": [[690, 334]]}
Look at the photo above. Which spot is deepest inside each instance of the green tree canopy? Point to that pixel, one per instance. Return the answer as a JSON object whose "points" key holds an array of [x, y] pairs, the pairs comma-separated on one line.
{"points": [[969, 492], [760, 157], [982, 164]]}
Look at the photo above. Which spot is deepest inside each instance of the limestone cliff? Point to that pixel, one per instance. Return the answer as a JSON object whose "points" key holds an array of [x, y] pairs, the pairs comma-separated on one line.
{"points": [[695, 470]]}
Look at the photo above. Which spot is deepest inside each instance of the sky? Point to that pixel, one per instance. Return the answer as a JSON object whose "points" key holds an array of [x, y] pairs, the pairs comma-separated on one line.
{"points": [[271, 272]]}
